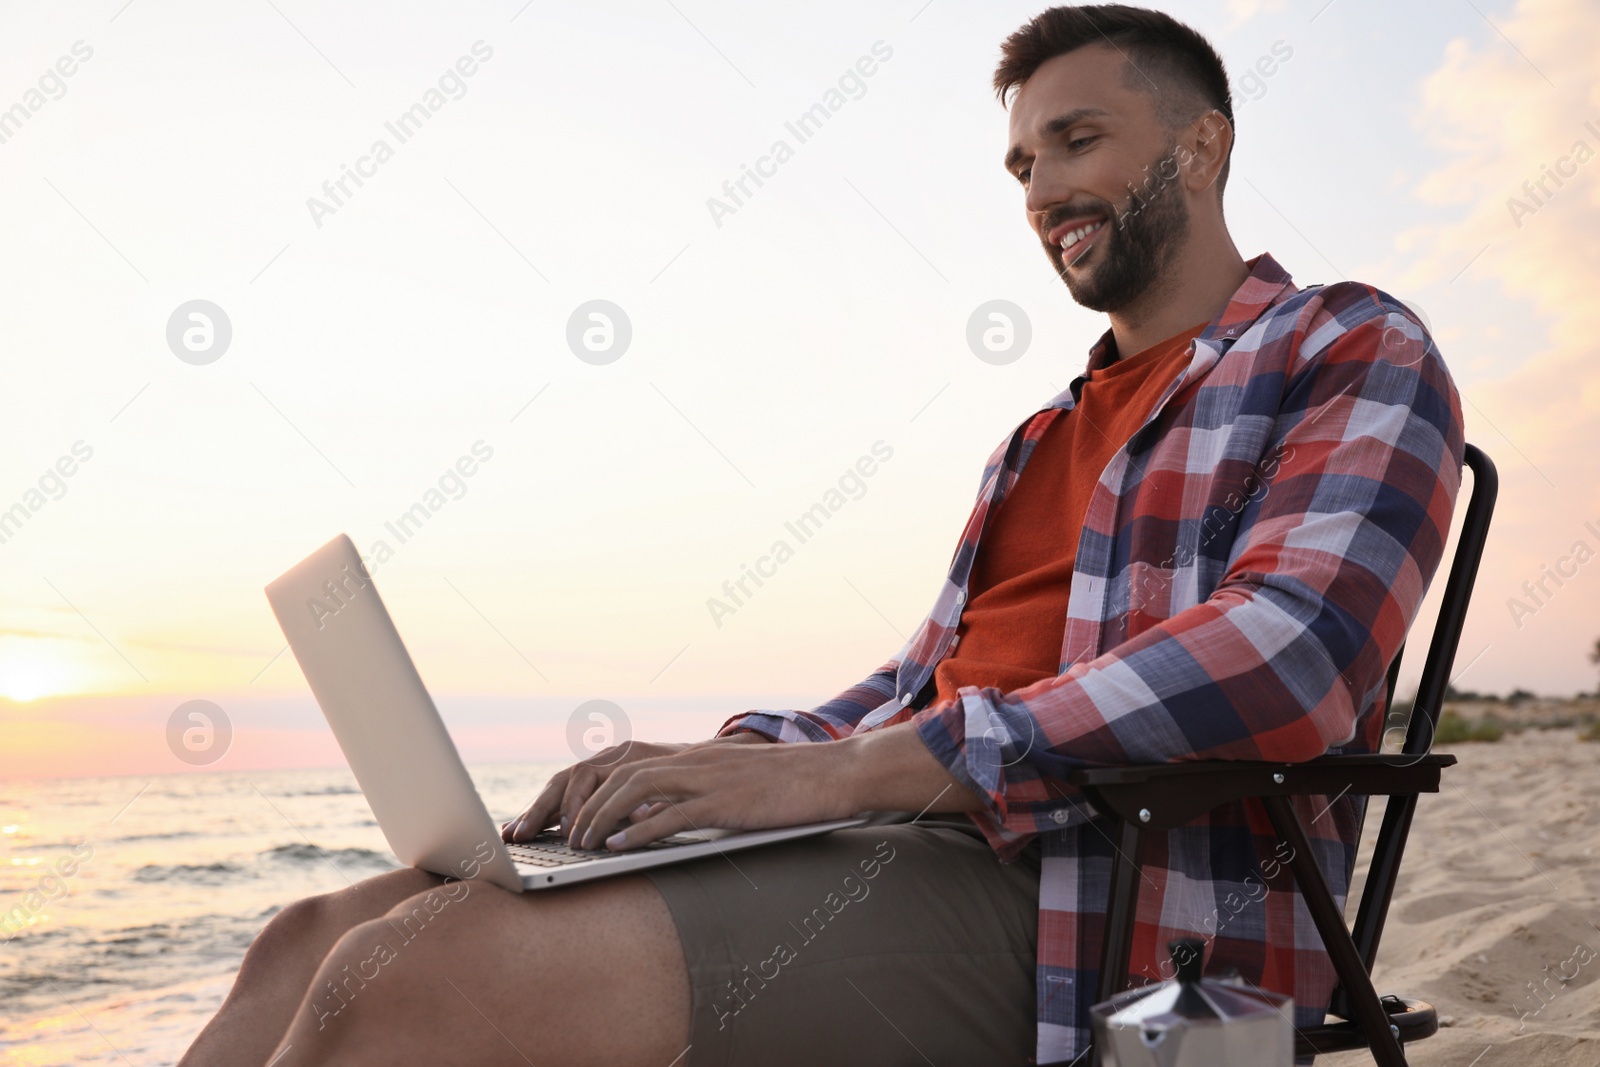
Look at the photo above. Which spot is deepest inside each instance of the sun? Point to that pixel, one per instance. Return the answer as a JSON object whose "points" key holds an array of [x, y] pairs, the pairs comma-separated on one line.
{"points": [[24, 677]]}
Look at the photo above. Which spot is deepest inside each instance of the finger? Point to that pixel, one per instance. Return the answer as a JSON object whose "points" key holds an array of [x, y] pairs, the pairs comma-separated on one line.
{"points": [[646, 782], [580, 787], [542, 811], [645, 810], [581, 817], [668, 820], [611, 757], [538, 814]]}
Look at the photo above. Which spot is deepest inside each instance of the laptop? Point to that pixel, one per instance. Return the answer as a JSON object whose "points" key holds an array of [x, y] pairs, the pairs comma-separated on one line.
{"points": [[403, 757]]}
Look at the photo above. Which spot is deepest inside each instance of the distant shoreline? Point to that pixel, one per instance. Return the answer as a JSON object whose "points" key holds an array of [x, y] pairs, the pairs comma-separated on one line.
{"points": [[1526, 713]]}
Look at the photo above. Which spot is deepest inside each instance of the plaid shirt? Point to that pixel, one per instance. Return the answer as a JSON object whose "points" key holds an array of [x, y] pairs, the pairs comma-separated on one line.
{"points": [[1249, 564]]}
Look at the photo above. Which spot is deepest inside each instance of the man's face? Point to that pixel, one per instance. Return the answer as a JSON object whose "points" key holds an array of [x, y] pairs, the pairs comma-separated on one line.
{"points": [[1100, 172]]}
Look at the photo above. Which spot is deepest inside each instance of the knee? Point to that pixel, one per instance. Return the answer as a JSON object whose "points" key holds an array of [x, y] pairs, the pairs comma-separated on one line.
{"points": [[339, 990], [382, 976], [291, 931], [385, 969], [307, 927], [461, 907]]}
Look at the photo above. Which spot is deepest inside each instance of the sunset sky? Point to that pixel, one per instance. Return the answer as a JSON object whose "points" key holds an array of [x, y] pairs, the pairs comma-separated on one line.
{"points": [[388, 336]]}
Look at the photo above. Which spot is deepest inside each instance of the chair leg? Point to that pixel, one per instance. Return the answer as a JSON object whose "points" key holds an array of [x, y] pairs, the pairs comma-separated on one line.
{"points": [[1353, 977], [1122, 910]]}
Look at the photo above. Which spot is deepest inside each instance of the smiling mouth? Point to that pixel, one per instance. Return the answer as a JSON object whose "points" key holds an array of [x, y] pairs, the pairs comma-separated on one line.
{"points": [[1075, 238]]}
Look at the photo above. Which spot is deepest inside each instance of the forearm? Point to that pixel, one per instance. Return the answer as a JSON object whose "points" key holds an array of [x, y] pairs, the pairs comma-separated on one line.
{"points": [[891, 769]]}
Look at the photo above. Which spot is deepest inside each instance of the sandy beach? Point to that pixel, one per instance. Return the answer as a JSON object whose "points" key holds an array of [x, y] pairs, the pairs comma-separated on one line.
{"points": [[1494, 916]]}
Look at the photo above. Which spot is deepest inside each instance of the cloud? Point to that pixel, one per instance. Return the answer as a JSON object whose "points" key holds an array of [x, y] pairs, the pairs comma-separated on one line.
{"points": [[1511, 125], [46, 635], [260, 652]]}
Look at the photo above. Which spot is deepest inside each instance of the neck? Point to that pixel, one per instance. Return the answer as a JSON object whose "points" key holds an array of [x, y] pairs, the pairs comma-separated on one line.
{"points": [[1195, 286]]}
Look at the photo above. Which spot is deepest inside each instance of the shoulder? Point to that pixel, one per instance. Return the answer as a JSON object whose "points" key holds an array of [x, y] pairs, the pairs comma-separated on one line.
{"points": [[1353, 343], [1349, 324], [1351, 320]]}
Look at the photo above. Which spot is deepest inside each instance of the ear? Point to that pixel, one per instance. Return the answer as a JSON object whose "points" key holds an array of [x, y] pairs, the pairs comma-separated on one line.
{"points": [[1203, 149]]}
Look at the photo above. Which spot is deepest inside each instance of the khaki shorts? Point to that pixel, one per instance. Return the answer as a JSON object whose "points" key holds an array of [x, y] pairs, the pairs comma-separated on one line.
{"points": [[891, 943]]}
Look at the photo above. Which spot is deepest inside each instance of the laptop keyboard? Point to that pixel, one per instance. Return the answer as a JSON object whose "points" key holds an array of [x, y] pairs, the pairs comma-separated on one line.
{"points": [[550, 849]]}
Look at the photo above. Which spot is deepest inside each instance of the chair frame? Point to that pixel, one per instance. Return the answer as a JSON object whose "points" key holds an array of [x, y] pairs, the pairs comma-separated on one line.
{"points": [[1139, 800]]}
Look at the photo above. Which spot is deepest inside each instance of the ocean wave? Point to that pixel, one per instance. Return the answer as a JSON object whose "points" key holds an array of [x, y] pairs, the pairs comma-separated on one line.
{"points": [[44, 933], [24, 982], [199, 873], [61, 846], [136, 935], [302, 854], [174, 835]]}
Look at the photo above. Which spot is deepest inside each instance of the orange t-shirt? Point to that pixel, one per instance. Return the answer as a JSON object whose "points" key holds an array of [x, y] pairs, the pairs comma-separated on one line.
{"points": [[1011, 632]]}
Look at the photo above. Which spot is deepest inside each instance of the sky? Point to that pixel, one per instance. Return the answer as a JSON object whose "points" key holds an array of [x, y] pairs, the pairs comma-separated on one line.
{"points": [[376, 320]]}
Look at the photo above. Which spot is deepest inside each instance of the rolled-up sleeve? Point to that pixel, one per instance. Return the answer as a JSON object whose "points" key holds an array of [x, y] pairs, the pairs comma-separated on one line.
{"points": [[827, 722]]}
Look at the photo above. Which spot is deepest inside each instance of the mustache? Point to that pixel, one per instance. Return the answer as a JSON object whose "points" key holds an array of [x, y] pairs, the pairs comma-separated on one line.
{"points": [[1058, 258], [1098, 210]]}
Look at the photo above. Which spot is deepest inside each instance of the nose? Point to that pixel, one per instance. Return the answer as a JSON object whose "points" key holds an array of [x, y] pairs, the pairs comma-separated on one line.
{"points": [[1046, 192]]}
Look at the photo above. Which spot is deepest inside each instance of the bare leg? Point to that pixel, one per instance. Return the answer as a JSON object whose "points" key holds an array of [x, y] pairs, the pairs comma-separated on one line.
{"points": [[281, 962], [593, 974]]}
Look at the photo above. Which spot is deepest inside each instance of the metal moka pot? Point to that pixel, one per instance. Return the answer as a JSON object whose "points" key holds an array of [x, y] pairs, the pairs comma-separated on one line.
{"points": [[1194, 1021]]}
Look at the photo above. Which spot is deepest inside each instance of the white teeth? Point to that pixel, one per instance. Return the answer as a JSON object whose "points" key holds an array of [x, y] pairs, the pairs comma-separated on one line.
{"points": [[1072, 237]]}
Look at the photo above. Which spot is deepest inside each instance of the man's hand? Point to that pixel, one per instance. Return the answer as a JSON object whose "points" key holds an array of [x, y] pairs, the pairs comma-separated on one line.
{"points": [[567, 791], [755, 787]]}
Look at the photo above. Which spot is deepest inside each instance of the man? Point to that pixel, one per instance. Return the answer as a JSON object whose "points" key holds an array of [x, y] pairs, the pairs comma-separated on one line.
{"points": [[1210, 546]]}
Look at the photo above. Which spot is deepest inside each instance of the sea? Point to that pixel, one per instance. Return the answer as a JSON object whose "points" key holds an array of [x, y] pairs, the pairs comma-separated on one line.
{"points": [[127, 903]]}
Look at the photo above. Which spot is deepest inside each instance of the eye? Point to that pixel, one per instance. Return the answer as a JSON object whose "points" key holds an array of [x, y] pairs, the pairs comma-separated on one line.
{"points": [[1076, 142], [1024, 174]]}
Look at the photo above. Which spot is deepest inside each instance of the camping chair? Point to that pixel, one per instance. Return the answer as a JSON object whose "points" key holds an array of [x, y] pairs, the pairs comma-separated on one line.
{"points": [[1155, 798]]}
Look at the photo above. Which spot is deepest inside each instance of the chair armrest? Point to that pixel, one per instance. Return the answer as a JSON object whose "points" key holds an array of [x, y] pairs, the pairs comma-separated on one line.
{"points": [[1160, 796]]}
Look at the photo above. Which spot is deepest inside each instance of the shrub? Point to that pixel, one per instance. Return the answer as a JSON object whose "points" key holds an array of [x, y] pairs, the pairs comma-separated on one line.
{"points": [[1453, 729]]}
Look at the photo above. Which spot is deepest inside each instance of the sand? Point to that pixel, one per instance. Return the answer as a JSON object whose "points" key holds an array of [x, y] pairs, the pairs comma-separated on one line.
{"points": [[1494, 916]]}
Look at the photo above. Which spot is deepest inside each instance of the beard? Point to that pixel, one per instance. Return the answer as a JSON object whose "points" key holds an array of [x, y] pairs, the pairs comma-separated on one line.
{"points": [[1135, 246]]}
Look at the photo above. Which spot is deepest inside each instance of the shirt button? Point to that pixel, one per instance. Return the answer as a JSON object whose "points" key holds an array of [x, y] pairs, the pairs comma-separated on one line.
{"points": [[961, 596], [1060, 815], [905, 700], [954, 641]]}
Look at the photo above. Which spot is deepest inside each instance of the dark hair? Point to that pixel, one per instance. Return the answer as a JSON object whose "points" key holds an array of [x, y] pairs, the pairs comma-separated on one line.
{"points": [[1166, 58]]}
